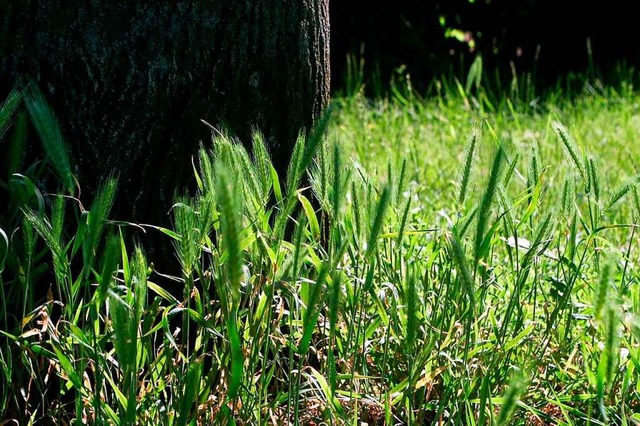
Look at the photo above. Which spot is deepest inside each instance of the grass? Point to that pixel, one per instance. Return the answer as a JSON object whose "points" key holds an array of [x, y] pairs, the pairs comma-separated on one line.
{"points": [[469, 259]]}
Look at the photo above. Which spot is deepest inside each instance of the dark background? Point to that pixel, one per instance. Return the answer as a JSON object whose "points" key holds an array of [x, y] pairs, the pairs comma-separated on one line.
{"points": [[547, 38], [133, 79]]}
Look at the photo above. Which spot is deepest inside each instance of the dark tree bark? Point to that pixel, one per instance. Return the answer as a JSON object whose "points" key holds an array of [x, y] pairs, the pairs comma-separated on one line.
{"points": [[131, 80]]}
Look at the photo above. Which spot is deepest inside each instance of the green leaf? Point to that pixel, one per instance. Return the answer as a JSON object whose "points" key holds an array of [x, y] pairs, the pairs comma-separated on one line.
{"points": [[191, 389], [67, 366], [329, 395], [237, 356], [4, 248], [311, 215], [312, 312], [277, 191], [162, 293]]}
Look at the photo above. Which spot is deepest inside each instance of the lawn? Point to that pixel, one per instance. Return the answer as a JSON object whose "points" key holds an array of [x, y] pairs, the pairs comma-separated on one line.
{"points": [[461, 258]]}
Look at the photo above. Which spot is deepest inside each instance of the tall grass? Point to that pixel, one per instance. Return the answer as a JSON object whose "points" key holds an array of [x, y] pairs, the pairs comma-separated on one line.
{"points": [[412, 282]]}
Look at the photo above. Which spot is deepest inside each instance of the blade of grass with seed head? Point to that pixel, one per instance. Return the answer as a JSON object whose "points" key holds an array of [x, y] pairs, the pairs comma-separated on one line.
{"points": [[340, 181], [602, 291], [533, 172], [262, 162], [594, 177], [8, 109], [186, 223], [109, 267], [57, 219], [51, 137], [315, 138], [402, 181], [126, 313], [567, 199], [376, 225], [485, 206], [609, 357], [139, 284], [231, 225], [294, 170], [464, 274], [636, 202], [470, 152], [96, 219], [571, 147], [517, 386], [512, 163], [60, 262], [620, 193], [403, 222]]}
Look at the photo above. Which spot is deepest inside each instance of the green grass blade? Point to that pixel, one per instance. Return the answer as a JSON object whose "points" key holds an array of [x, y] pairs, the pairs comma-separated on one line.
{"points": [[328, 393], [312, 312], [125, 343], [311, 215], [109, 267], [67, 366], [236, 355], [4, 248], [190, 392]]}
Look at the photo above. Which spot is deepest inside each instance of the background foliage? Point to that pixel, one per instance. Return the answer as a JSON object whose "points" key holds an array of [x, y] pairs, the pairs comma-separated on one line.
{"points": [[432, 38]]}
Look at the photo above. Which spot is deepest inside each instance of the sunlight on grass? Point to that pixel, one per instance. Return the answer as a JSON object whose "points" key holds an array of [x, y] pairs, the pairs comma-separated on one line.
{"points": [[450, 262]]}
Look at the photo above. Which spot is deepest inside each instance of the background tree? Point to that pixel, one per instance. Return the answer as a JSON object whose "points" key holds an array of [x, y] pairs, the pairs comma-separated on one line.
{"points": [[130, 82]]}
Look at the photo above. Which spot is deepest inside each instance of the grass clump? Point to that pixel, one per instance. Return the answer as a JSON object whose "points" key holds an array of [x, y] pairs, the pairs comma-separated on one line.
{"points": [[414, 281]]}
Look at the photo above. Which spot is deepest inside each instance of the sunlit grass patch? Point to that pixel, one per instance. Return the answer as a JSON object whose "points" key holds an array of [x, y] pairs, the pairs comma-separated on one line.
{"points": [[423, 261]]}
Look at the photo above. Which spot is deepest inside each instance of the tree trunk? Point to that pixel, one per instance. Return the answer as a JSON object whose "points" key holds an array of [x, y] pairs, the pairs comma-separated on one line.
{"points": [[130, 82]]}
